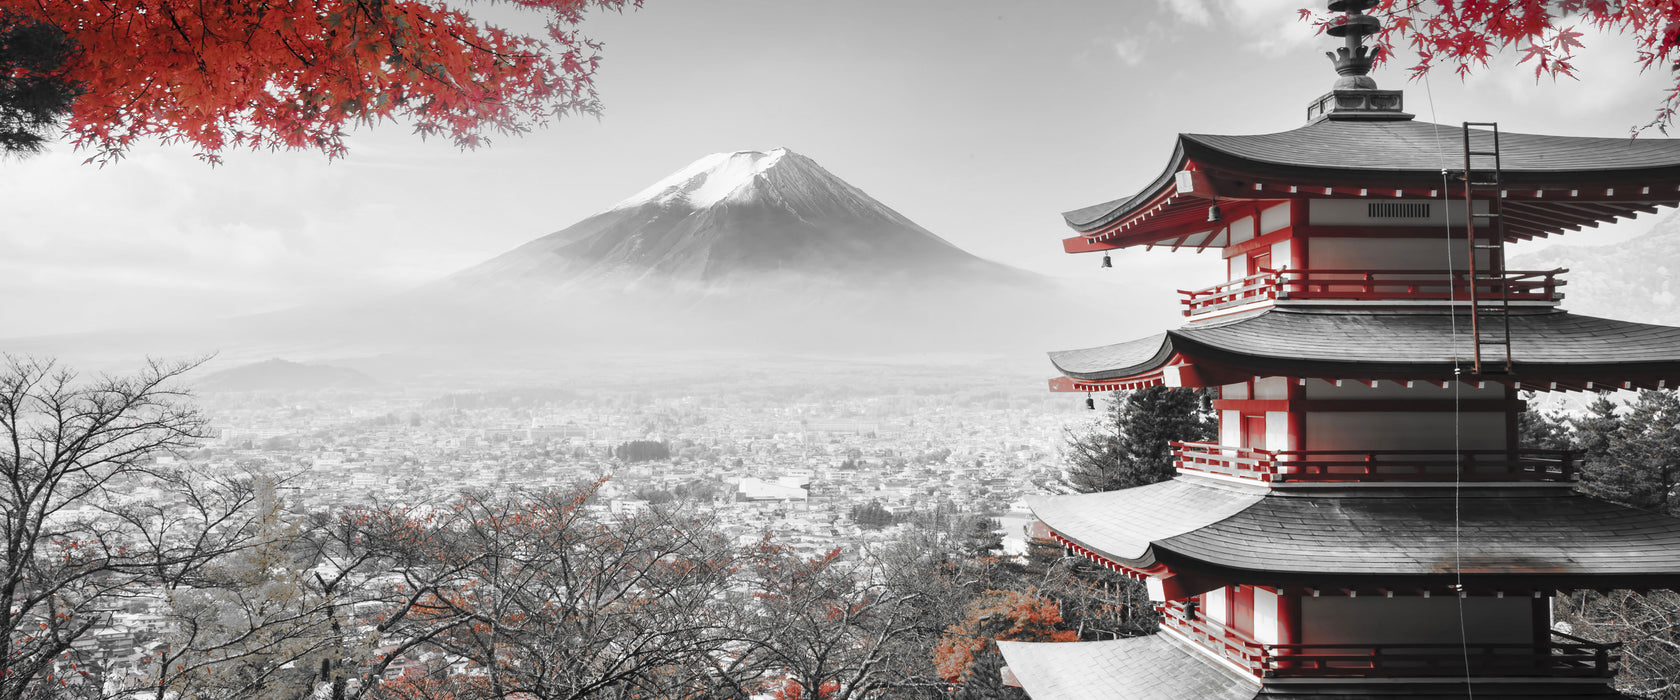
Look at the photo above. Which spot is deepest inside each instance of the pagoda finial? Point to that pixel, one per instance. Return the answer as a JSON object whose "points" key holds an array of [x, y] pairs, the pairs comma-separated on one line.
{"points": [[1353, 61], [1355, 94]]}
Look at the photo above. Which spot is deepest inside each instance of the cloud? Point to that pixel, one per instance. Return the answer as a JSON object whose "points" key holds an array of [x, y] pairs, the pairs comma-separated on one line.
{"points": [[1129, 50], [1269, 27], [1192, 11]]}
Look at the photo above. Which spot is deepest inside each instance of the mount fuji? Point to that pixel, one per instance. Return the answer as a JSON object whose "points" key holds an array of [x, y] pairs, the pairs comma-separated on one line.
{"points": [[761, 253], [738, 219]]}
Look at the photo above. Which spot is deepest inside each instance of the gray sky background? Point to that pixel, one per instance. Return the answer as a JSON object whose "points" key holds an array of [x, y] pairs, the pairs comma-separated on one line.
{"points": [[979, 119]]}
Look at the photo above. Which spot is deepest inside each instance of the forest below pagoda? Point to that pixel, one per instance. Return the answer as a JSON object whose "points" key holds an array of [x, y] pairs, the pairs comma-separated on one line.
{"points": [[549, 594]]}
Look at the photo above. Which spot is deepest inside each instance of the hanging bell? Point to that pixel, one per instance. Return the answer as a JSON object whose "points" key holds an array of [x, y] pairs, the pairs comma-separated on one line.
{"points": [[1090, 403], [1107, 261], [1214, 216]]}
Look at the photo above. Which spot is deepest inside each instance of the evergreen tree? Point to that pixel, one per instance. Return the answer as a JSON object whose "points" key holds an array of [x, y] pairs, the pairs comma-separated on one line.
{"points": [[872, 515], [1545, 430], [1130, 448], [36, 93], [983, 539], [1594, 431], [1634, 459]]}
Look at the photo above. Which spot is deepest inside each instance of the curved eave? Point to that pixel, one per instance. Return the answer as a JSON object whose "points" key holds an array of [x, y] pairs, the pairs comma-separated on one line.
{"points": [[1381, 537], [1415, 150], [1567, 539], [1551, 350], [1544, 178], [1160, 667], [1096, 216], [1128, 360], [1155, 667], [1123, 526]]}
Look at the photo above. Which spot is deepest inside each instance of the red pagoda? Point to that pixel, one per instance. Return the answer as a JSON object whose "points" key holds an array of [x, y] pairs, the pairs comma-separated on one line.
{"points": [[1368, 525]]}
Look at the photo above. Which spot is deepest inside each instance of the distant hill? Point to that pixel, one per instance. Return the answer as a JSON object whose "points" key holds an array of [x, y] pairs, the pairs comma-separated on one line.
{"points": [[281, 375], [1634, 280]]}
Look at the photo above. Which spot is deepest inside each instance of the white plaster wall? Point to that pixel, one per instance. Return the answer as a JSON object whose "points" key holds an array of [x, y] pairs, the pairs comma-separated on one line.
{"points": [[1385, 254], [1236, 266], [1242, 229], [1394, 430], [1277, 430], [1280, 255], [1414, 620], [1230, 428], [1266, 617], [1317, 389], [1234, 391], [1274, 217], [1213, 605], [1271, 388]]}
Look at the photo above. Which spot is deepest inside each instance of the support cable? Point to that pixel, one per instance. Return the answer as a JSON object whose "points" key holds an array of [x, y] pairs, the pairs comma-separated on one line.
{"points": [[1458, 371]]}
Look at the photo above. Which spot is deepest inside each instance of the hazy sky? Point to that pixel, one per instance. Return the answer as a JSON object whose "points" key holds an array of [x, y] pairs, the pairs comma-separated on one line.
{"points": [[979, 119]]}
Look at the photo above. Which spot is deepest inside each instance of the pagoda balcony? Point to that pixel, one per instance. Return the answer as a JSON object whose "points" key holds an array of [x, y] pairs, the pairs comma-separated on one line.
{"points": [[1562, 656], [1375, 465], [1365, 285], [1228, 643]]}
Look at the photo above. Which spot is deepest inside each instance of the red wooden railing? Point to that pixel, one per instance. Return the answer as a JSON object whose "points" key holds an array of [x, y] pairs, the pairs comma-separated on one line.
{"points": [[1376, 465], [1240, 462], [1235, 646], [1260, 287], [1368, 285], [1563, 656]]}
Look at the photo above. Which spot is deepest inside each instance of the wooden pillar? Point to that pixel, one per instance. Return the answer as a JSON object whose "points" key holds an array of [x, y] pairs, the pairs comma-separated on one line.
{"points": [[1289, 617], [1513, 420], [1298, 234], [1297, 416], [1541, 614]]}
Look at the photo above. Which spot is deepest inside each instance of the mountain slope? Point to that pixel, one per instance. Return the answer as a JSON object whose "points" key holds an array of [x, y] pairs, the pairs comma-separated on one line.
{"points": [[731, 218], [1634, 280]]}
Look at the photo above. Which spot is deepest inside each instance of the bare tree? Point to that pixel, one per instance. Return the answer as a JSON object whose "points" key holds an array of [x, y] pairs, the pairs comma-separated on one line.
{"points": [[539, 595], [855, 625], [92, 518]]}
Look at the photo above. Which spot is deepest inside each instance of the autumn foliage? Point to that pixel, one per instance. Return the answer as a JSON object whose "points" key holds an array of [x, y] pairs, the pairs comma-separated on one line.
{"points": [[1008, 615], [1466, 34], [294, 74]]}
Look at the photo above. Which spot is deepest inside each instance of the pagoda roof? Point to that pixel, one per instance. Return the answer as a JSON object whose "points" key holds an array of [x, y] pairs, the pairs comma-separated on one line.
{"points": [[1403, 157], [1124, 525], [1371, 534], [1155, 667], [1160, 667], [1547, 345]]}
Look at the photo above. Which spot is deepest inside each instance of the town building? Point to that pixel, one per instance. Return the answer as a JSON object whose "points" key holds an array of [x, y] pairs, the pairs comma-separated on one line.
{"points": [[1368, 524]]}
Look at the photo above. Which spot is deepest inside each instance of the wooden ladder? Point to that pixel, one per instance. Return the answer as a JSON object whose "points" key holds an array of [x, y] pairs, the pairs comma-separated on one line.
{"points": [[1490, 314]]}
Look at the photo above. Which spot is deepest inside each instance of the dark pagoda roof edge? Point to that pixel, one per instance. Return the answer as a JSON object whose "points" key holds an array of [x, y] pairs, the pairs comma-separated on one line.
{"points": [[1656, 357], [1564, 541], [1154, 666], [1210, 155], [1515, 579], [1154, 362], [1328, 150], [1096, 216]]}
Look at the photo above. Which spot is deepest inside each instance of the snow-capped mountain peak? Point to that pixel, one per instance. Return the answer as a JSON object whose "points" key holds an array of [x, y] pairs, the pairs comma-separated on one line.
{"points": [[709, 180], [738, 219]]}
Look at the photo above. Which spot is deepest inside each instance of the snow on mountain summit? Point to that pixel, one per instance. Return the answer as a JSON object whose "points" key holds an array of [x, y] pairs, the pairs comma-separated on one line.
{"points": [[709, 180], [731, 220]]}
